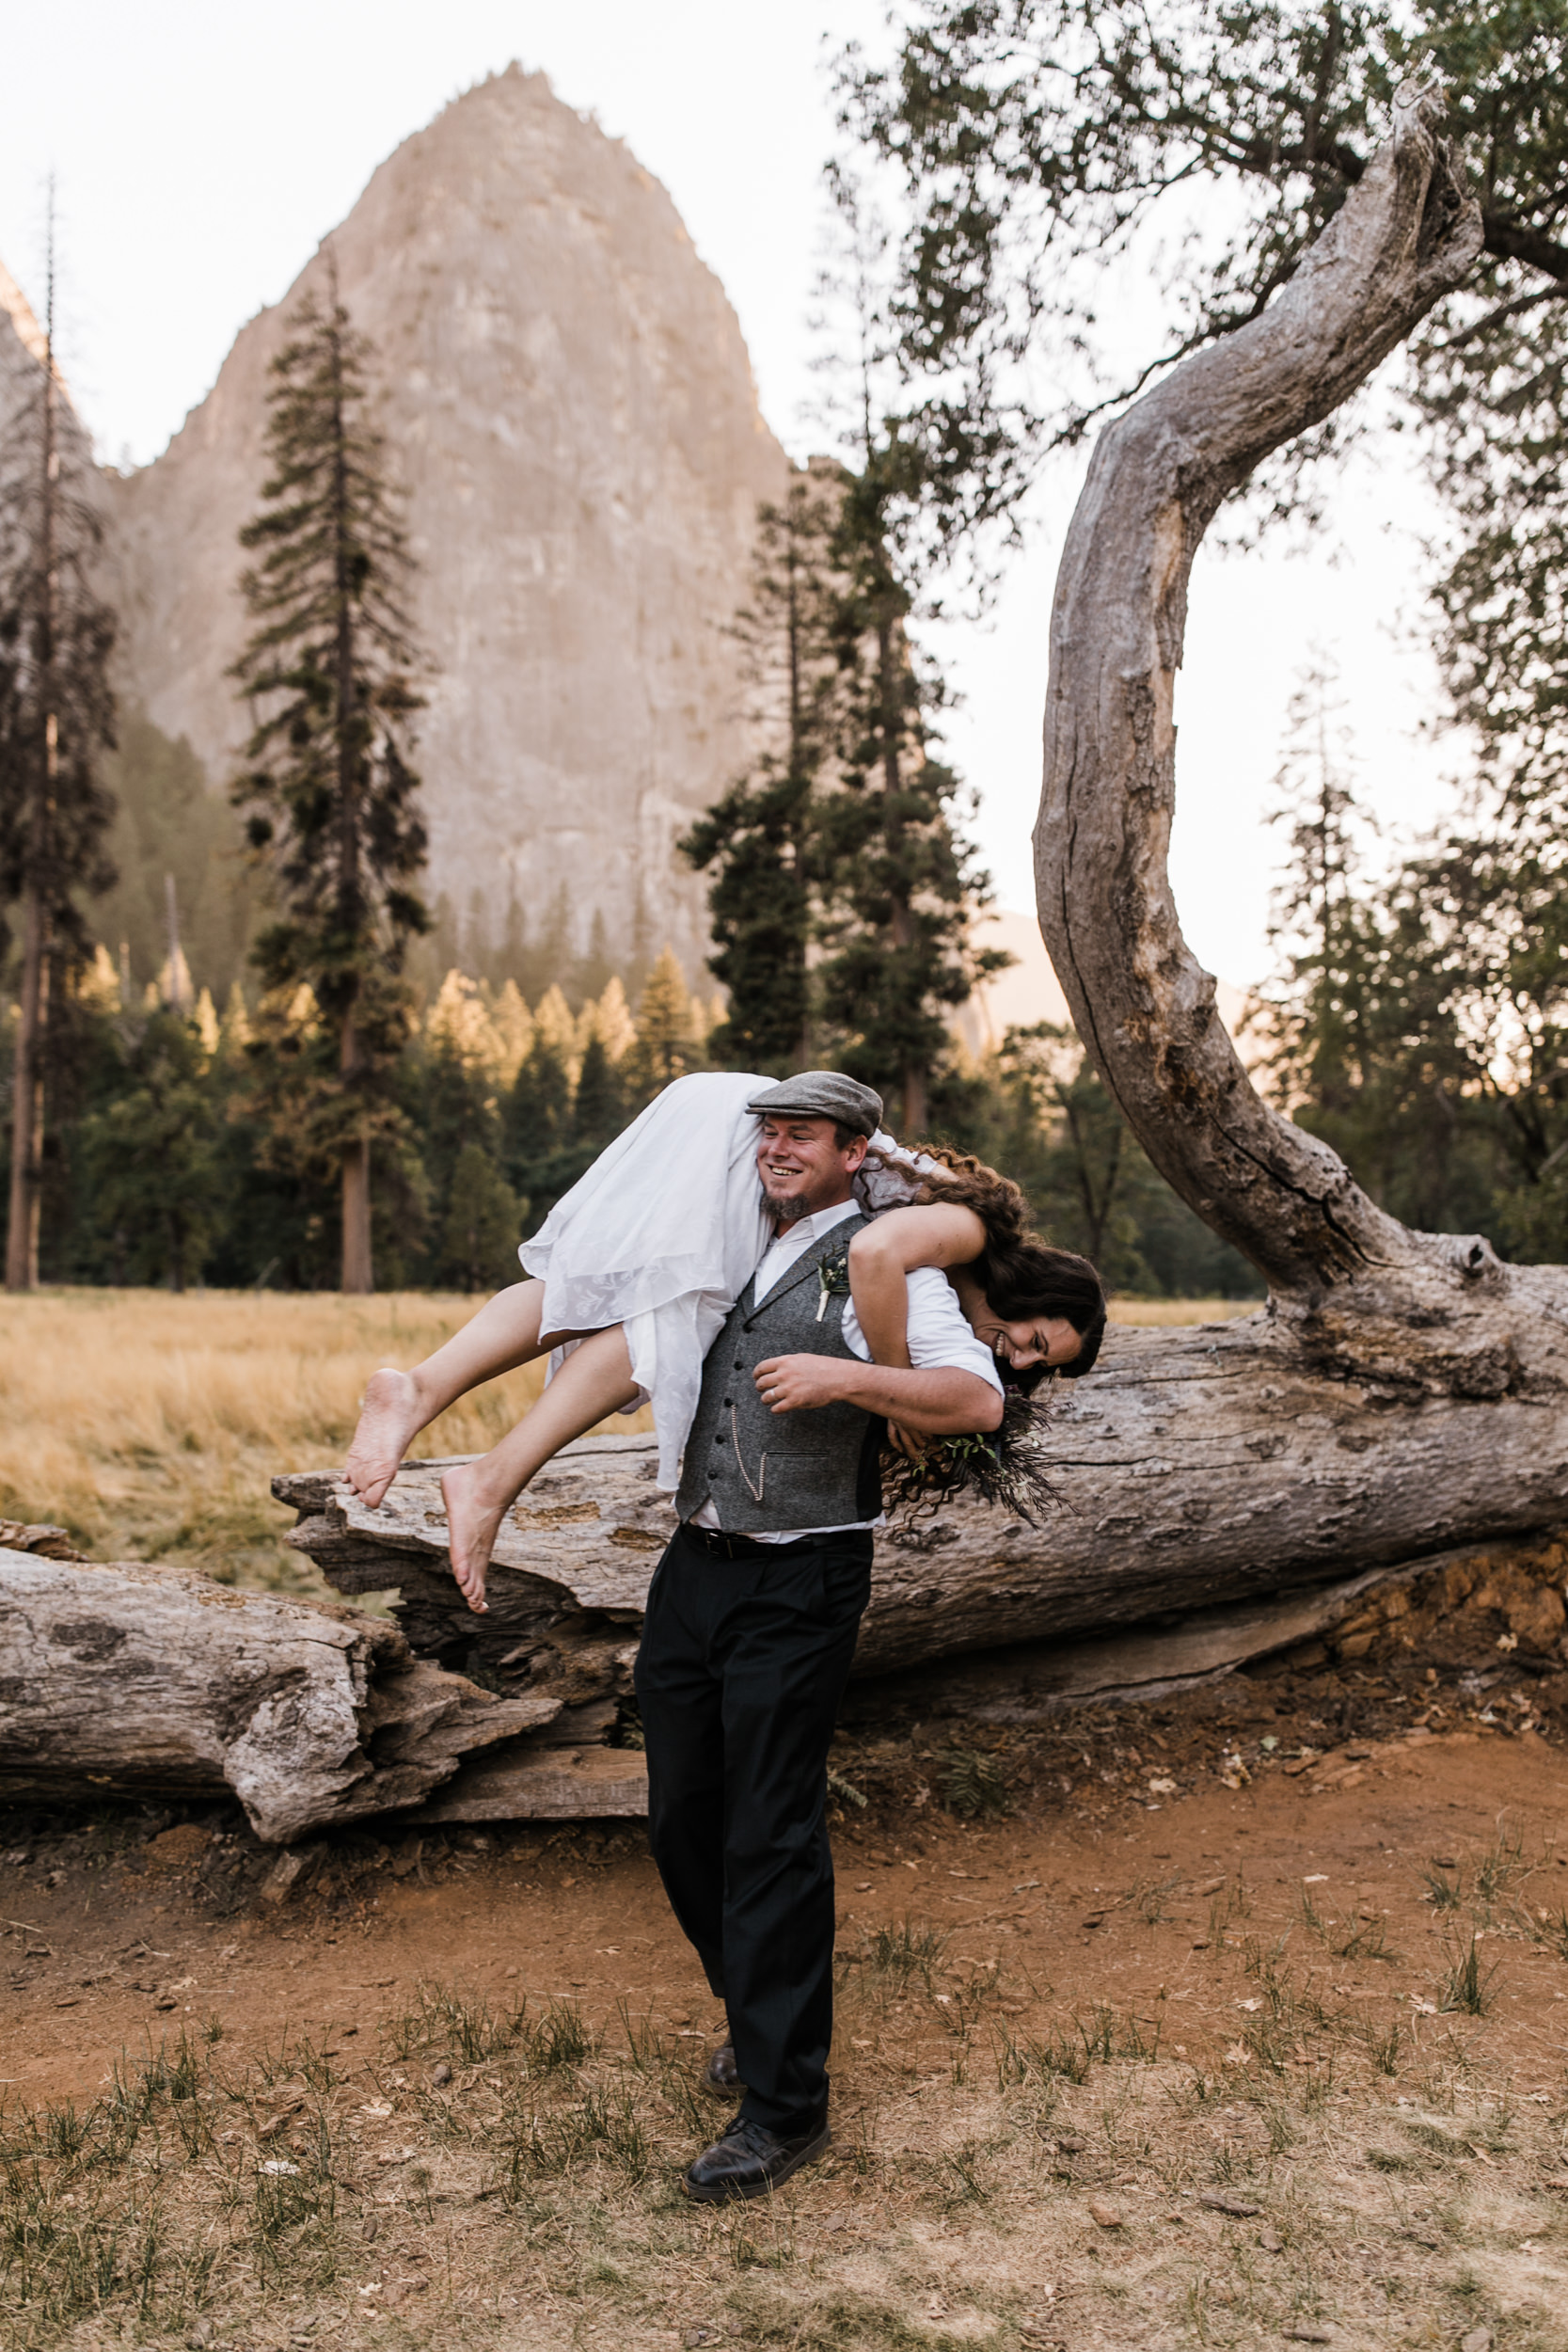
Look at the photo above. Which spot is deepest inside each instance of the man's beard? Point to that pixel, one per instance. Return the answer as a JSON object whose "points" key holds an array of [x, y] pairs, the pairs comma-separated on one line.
{"points": [[783, 1211]]}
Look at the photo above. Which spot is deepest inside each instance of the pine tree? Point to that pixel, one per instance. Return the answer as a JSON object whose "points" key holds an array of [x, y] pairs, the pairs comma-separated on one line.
{"points": [[598, 1107], [56, 721], [153, 1156], [759, 838], [665, 1047], [595, 969], [899, 878], [329, 786], [1329, 951], [536, 1129], [483, 1224]]}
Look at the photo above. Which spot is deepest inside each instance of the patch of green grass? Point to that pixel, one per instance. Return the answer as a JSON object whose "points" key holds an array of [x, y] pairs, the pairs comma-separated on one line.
{"points": [[1367, 1940], [973, 1785], [1384, 2046], [907, 1950], [1465, 1986], [1501, 1866]]}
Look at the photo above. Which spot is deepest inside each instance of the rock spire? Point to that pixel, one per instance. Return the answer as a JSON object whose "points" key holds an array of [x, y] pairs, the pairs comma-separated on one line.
{"points": [[569, 405]]}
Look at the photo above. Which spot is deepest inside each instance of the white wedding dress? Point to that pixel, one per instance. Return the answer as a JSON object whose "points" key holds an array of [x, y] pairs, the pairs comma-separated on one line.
{"points": [[664, 1232]]}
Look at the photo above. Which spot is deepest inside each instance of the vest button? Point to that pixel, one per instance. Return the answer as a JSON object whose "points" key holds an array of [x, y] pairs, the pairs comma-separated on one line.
{"points": [[739, 1367]]}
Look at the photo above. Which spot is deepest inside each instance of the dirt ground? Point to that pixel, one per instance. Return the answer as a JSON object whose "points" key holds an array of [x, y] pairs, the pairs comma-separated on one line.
{"points": [[1239, 2018]]}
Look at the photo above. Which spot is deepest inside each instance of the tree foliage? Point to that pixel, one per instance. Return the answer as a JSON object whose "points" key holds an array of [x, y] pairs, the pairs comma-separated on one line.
{"points": [[57, 723], [1041, 143], [900, 880], [331, 797], [152, 1157], [1417, 1018], [760, 838]]}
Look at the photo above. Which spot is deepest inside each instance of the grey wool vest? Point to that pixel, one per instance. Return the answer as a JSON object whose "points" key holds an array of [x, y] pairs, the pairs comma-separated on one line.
{"points": [[767, 1471]]}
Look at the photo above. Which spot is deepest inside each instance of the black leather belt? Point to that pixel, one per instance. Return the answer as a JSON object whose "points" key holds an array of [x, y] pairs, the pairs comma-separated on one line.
{"points": [[725, 1547]]}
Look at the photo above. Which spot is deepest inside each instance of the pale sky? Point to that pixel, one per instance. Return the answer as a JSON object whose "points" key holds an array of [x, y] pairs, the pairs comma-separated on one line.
{"points": [[202, 152]]}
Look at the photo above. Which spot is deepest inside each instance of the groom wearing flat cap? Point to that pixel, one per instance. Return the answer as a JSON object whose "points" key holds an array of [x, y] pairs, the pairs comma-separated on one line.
{"points": [[754, 1609]]}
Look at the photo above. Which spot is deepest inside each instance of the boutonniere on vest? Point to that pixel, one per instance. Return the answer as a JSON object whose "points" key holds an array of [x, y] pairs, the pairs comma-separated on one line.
{"points": [[833, 1276]]}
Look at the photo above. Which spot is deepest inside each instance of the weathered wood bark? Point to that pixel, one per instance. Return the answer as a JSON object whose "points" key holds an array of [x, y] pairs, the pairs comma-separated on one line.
{"points": [[1192, 1468], [1441, 1368], [135, 1677]]}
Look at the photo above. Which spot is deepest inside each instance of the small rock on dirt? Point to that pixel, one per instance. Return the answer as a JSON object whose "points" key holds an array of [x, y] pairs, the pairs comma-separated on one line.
{"points": [[440, 2076], [1308, 2335], [1240, 2208], [1478, 2340], [1105, 2217], [281, 1876], [1270, 2241]]}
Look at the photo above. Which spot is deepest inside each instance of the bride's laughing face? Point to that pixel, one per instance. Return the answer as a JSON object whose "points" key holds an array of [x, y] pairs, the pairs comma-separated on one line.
{"points": [[803, 1166], [1039, 1340]]}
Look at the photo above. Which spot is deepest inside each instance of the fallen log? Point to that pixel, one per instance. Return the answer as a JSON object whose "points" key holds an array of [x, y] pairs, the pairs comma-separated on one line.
{"points": [[145, 1679], [1199, 1469], [135, 1679], [1119, 1619]]}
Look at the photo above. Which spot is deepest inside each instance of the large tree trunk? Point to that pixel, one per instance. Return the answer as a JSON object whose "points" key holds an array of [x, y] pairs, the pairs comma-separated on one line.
{"points": [[1442, 1368], [27, 1173], [357, 1273], [1198, 1469]]}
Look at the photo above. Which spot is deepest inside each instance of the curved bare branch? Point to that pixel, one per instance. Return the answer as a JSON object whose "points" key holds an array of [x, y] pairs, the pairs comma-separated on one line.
{"points": [[1144, 1007]]}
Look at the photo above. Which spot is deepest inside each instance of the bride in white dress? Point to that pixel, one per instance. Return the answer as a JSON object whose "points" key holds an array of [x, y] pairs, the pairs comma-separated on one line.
{"points": [[634, 1269]]}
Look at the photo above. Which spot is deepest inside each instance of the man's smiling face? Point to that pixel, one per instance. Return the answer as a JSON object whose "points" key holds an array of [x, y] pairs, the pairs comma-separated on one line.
{"points": [[804, 1168]]}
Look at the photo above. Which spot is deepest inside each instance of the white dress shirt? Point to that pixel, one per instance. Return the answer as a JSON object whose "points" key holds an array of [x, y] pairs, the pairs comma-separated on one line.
{"points": [[938, 1335]]}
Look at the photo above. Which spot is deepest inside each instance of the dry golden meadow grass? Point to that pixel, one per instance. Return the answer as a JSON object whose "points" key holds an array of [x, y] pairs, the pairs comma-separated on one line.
{"points": [[149, 1424], [1166, 1312]]}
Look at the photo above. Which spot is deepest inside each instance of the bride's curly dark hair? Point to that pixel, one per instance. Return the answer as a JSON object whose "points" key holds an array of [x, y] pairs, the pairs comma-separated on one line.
{"points": [[1022, 1276]]}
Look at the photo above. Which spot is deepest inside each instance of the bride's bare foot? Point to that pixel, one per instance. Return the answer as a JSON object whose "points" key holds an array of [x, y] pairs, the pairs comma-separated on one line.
{"points": [[473, 1522], [390, 1415]]}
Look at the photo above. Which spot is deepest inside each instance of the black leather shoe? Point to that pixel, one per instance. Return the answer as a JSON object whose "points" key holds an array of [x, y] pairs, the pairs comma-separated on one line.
{"points": [[750, 2160], [719, 2075]]}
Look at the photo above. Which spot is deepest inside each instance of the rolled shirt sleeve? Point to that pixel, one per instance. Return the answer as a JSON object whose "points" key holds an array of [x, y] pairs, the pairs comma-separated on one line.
{"points": [[939, 1332]]}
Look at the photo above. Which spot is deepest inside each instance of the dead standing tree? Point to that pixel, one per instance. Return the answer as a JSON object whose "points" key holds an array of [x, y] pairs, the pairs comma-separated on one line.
{"points": [[1440, 1369]]}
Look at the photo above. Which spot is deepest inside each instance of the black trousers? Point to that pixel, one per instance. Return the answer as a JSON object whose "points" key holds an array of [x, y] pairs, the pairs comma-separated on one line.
{"points": [[739, 1675]]}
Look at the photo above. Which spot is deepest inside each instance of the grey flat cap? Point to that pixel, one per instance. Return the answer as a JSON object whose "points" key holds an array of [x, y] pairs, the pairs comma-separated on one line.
{"points": [[822, 1094]]}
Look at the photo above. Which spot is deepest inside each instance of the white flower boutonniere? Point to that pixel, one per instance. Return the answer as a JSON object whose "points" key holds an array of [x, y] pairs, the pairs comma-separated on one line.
{"points": [[832, 1277]]}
